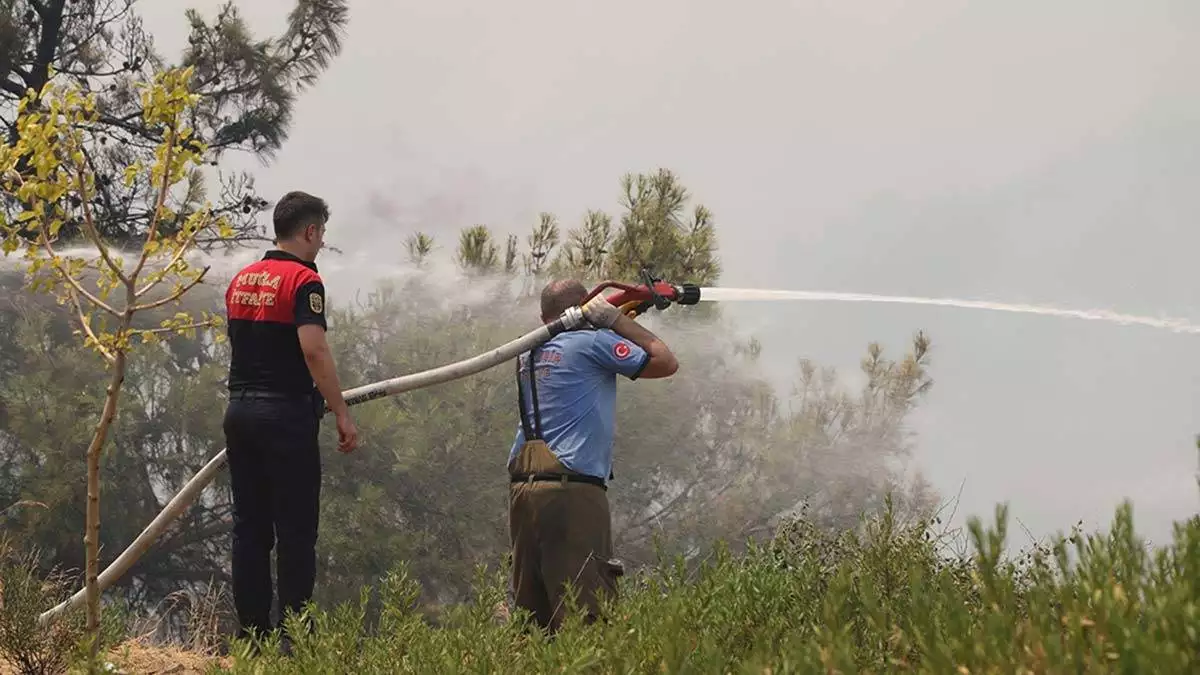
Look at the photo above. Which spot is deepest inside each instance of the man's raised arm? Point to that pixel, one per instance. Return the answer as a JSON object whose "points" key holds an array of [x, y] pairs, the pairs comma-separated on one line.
{"points": [[659, 360]]}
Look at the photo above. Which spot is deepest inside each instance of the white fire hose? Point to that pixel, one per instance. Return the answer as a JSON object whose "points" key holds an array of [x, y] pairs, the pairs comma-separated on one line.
{"points": [[570, 319]]}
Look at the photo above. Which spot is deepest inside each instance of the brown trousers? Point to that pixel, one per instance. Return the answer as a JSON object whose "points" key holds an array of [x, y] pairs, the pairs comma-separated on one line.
{"points": [[560, 533]]}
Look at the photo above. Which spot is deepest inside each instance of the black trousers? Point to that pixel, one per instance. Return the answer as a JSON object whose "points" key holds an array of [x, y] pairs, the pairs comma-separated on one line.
{"points": [[275, 472]]}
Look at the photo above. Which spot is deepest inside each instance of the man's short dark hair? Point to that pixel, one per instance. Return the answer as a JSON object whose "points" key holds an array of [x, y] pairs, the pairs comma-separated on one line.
{"points": [[297, 210], [560, 295]]}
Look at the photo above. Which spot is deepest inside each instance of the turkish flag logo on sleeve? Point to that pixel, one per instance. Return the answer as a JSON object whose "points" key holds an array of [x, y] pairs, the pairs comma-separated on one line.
{"points": [[621, 350]]}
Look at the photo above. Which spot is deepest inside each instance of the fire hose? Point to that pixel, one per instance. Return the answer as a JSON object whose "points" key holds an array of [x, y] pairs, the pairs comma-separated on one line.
{"points": [[632, 300]]}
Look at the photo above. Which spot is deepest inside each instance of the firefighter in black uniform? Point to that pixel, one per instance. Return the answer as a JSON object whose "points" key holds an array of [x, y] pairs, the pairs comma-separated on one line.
{"points": [[276, 327]]}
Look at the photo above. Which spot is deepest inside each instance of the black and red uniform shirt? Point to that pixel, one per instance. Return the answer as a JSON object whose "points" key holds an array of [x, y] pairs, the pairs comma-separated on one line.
{"points": [[265, 304]]}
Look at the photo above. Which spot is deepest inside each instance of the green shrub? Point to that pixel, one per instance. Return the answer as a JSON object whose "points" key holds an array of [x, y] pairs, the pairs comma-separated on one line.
{"points": [[883, 599], [25, 593]]}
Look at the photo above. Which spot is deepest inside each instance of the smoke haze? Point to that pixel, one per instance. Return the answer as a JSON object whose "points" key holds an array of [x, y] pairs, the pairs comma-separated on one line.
{"points": [[1018, 152]]}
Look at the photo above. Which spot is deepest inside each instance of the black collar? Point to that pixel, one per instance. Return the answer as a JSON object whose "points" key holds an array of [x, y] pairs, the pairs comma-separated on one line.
{"points": [[284, 255]]}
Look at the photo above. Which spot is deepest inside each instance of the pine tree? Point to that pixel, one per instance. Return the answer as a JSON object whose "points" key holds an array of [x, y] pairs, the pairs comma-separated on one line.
{"points": [[477, 252], [248, 88]]}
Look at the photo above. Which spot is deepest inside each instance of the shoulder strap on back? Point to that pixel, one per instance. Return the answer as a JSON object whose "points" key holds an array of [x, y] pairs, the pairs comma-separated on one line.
{"points": [[532, 428]]}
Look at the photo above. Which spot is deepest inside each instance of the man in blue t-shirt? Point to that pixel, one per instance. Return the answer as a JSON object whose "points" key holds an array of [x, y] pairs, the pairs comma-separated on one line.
{"points": [[561, 459]]}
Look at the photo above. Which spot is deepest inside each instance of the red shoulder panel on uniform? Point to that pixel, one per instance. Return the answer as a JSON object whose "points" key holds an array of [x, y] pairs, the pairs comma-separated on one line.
{"points": [[266, 291], [305, 276]]}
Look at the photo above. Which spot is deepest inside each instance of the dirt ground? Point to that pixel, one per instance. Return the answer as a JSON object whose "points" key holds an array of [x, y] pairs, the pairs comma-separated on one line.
{"points": [[137, 658]]}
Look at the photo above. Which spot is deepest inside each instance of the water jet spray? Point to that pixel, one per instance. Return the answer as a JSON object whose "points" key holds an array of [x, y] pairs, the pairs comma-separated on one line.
{"points": [[760, 295]]}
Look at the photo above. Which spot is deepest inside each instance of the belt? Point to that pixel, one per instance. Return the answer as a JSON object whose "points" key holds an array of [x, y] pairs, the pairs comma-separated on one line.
{"points": [[242, 394], [560, 477]]}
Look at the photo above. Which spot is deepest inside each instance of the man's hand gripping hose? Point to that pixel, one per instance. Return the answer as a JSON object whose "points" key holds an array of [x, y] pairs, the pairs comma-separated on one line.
{"points": [[600, 312]]}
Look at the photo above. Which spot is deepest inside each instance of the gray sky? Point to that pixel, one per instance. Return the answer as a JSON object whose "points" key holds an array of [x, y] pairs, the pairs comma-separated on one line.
{"points": [[1015, 151]]}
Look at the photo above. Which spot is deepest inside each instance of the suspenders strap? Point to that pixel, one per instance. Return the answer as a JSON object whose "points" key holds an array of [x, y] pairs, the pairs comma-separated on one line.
{"points": [[532, 428], [531, 425]]}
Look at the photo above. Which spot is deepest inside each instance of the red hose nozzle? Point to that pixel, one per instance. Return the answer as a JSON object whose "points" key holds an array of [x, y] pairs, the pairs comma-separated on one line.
{"points": [[654, 293]]}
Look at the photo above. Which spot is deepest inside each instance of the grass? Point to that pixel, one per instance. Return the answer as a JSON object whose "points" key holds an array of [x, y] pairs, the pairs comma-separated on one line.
{"points": [[886, 599], [881, 601]]}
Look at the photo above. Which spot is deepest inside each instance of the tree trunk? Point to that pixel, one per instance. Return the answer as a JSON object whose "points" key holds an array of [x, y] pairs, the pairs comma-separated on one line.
{"points": [[92, 532]]}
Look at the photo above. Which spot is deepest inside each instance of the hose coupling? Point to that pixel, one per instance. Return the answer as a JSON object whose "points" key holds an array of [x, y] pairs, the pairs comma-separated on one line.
{"points": [[572, 318]]}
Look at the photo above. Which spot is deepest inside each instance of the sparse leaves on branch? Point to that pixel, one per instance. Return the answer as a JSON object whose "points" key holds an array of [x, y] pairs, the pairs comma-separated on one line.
{"points": [[49, 179], [58, 189]]}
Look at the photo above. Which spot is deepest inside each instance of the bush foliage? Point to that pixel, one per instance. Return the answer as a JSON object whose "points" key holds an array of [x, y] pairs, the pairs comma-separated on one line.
{"points": [[882, 599]]}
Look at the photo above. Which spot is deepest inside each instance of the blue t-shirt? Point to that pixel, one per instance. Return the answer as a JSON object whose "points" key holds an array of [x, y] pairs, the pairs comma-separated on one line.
{"points": [[577, 396]]}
